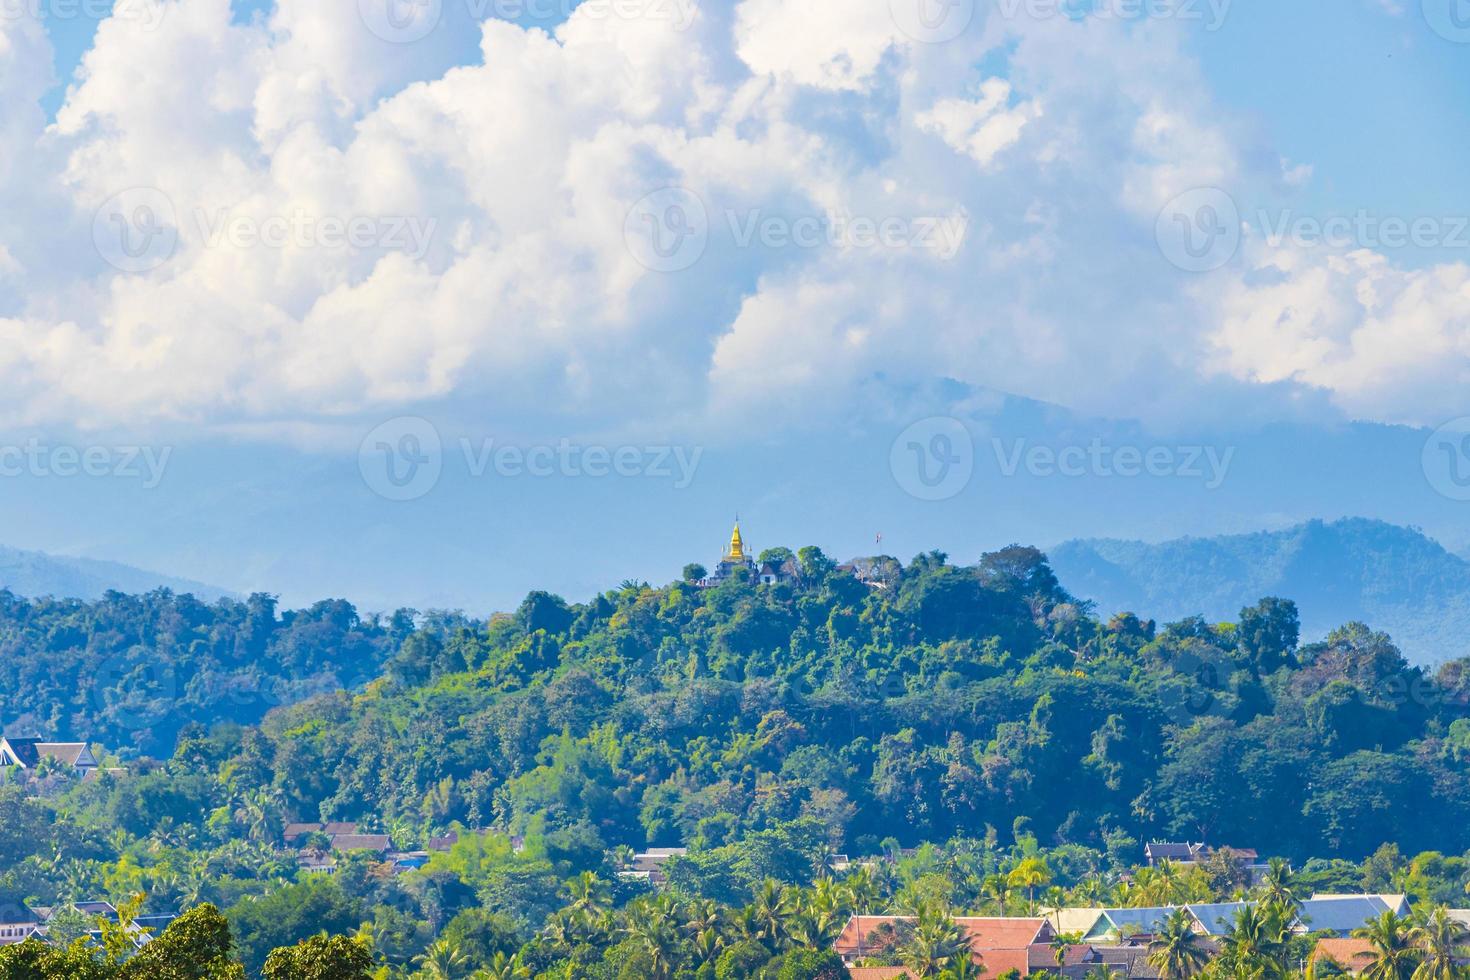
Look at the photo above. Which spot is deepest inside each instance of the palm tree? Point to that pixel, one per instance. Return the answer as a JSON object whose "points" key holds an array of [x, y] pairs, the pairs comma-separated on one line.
{"points": [[588, 893], [703, 915], [1394, 956], [504, 967], [1256, 943], [707, 945], [862, 890], [442, 961], [1176, 952], [813, 930], [997, 891], [962, 968], [1063, 942], [771, 909], [1169, 887], [937, 943], [1280, 883], [1031, 873], [1440, 940], [655, 936]]}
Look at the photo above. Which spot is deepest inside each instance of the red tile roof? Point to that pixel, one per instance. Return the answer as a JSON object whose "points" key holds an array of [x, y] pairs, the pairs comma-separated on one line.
{"points": [[1354, 955], [999, 944]]}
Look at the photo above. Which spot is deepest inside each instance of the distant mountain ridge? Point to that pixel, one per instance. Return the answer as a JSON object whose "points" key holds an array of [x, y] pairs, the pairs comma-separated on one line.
{"points": [[1393, 578], [34, 574]]}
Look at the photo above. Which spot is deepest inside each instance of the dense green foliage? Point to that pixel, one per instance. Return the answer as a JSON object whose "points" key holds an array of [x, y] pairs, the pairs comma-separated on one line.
{"points": [[955, 699], [765, 727], [129, 671]]}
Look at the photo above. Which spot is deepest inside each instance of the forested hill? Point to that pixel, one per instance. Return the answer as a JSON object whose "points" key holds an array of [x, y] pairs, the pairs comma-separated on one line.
{"points": [[951, 699], [130, 671], [938, 701], [1393, 577]]}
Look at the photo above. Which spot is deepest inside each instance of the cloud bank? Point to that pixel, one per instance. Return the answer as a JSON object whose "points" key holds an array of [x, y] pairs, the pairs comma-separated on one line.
{"points": [[736, 213]]}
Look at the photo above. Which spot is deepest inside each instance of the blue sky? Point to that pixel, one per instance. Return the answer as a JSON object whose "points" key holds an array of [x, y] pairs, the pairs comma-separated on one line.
{"points": [[649, 231]]}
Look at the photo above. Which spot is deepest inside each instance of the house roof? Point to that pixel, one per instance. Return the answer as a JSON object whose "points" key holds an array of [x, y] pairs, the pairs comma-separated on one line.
{"points": [[997, 961], [1159, 850], [1145, 921], [1341, 915], [1353, 955], [991, 932], [361, 842], [1216, 919], [856, 938], [30, 751], [1074, 921], [1042, 956], [877, 972], [301, 829], [987, 936], [1399, 904], [17, 913]]}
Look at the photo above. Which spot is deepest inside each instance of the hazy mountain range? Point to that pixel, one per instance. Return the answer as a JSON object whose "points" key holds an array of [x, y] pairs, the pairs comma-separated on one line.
{"points": [[33, 573], [1393, 578]]}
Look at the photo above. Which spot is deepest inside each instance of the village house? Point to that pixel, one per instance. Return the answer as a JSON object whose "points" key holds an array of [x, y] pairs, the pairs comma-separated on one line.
{"points": [[28, 753], [341, 837], [649, 865], [996, 944], [1352, 956], [1188, 854], [141, 929], [17, 923]]}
